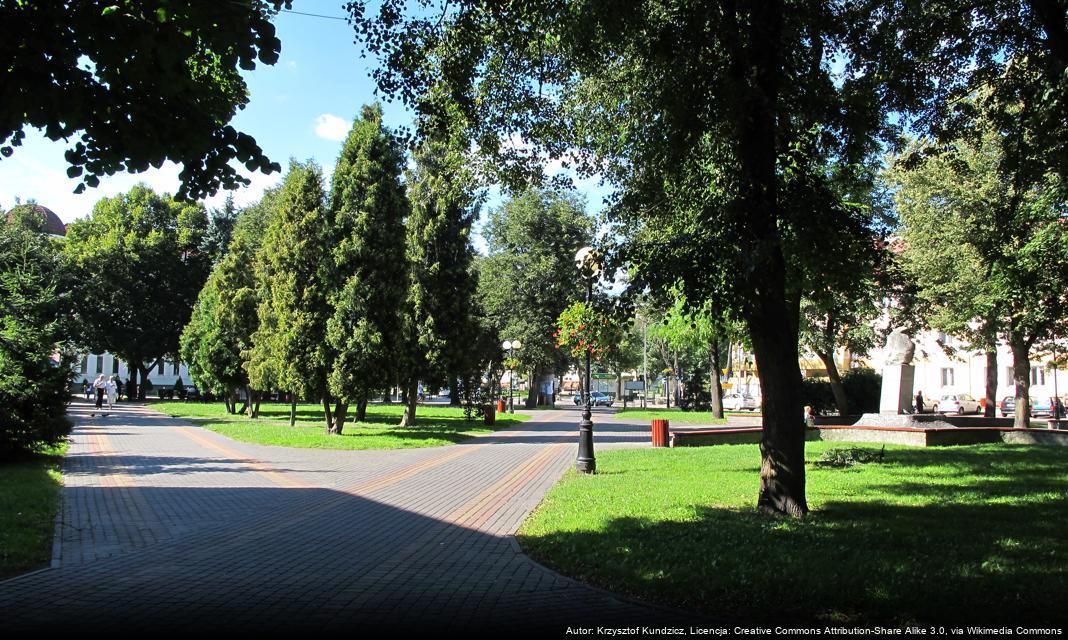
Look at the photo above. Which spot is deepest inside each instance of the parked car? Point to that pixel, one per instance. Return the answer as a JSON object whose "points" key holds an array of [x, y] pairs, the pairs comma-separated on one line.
{"points": [[959, 403], [739, 402], [1039, 407], [597, 399]]}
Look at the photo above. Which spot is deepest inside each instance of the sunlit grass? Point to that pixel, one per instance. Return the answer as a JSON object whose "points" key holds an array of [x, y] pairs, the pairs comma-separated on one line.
{"points": [[965, 535], [435, 426], [30, 490]]}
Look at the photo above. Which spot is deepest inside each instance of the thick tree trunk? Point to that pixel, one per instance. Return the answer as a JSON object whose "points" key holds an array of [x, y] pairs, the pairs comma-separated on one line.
{"points": [[715, 387], [341, 410], [454, 392], [142, 371], [1021, 374], [782, 448], [293, 411], [991, 383], [840, 399], [361, 410], [532, 389], [412, 394]]}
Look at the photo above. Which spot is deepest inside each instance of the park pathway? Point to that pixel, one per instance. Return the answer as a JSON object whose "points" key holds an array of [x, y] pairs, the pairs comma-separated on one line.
{"points": [[167, 525]]}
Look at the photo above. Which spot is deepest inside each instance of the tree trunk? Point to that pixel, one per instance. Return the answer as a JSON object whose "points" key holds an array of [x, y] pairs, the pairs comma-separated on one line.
{"points": [[293, 410], [782, 448], [142, 370], [408, 419], [1021, 374], [454, 393], [715, 386], [667, 391], [532, 389], [840, 399], [361, 409], [329, 415], [991, 383], [340, 411]]}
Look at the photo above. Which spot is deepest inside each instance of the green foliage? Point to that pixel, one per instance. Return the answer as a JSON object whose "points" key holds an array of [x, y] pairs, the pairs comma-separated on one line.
{"points": [[861, 386], [138, 273], [137, 83], [219, 335], [293, 269], [581, 329], [35, 357], [529, 276], [441, 323], [368, 266], [844, 457]]}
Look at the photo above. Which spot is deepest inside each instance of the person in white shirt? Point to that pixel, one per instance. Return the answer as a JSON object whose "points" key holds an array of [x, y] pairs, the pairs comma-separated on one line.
{"points": [[99, 387], [113, 392]]}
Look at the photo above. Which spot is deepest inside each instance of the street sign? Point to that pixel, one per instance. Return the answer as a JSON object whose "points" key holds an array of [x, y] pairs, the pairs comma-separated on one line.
{"points": [[603, 376], [634, 385]]}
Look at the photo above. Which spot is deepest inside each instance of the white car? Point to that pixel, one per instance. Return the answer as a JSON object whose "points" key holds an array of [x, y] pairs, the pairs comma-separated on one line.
{"points": [[959, 403], [738, 402]]}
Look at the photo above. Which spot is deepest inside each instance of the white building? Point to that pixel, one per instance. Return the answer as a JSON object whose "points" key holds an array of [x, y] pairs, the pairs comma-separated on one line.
{"points": [[163, 376]]}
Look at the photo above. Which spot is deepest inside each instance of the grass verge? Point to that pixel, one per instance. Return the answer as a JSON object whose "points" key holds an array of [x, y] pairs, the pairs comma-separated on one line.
{"points": [[676, 416], [960, 535], [29, 500], [435, 426]]}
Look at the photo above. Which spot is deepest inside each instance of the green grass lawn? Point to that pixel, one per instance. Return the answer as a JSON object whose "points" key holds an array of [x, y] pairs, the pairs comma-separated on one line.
{"points": [[961, 535], [676, 416], [29, 499], [435, 426]]}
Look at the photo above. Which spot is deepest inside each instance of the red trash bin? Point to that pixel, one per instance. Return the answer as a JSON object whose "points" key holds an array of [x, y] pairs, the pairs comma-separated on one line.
{"points": [[500, 406], [660, 433]]}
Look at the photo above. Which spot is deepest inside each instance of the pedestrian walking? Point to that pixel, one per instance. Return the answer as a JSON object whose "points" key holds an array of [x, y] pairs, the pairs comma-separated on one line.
{"points": [[919, 402], [112, 389], [100, 387], [86, 388]]}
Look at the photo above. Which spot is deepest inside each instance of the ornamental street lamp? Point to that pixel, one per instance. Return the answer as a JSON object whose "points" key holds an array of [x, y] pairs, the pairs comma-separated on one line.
{"points": [[511, 346], [586, 261]]}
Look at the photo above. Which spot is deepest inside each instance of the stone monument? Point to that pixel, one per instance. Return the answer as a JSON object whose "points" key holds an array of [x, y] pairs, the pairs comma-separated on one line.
{"points": [[898, 375]]}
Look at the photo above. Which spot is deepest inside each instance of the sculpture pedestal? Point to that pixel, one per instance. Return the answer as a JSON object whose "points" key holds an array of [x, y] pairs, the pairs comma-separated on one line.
{"points": [[896, 396]]}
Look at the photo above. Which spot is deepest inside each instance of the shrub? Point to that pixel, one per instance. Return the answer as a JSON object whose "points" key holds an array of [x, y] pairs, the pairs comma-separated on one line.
{"points": [[35, 364], [863, 388]]}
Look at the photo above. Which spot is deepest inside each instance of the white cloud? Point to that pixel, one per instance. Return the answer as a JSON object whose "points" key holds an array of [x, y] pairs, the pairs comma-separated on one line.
{"points": [[291, 65], [331, 127]]}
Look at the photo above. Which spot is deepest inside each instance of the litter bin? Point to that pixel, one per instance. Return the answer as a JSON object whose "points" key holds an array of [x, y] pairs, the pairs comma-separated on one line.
{"points": [[500, 406], [489, 413], [660, 433]]}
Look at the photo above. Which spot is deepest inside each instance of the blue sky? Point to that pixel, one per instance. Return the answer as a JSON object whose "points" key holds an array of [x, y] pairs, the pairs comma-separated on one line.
{"points": [[300, 108]]}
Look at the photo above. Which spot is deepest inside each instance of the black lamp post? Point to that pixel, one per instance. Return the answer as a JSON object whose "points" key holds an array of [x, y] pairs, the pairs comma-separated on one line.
{"points": [[511, 346], [586, 463]]}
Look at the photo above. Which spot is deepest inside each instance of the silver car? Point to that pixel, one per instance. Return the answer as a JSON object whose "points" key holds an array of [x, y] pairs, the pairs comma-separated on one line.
{"points": [[739, 402], [959, 403]]}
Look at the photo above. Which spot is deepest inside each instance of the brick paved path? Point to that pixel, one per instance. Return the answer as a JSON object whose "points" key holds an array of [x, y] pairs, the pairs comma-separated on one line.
{"points": [[168, 525]]}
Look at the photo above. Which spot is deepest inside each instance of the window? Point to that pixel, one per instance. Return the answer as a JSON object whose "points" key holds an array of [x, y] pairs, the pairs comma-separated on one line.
{"points": [[1038, 375], [100, 364], [947, 377], [85, 364], [114, 365], [946, 339]]}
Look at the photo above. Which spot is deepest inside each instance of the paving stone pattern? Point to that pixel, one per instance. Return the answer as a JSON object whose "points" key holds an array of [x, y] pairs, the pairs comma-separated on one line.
{"points": [[165, 525]]}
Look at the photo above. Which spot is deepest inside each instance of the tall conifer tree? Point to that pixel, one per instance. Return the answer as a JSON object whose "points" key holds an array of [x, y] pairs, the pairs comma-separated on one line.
{"points": [[368, 207]]}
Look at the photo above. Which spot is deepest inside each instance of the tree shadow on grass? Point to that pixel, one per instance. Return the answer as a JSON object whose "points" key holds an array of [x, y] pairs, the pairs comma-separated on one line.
{"points": [[985, 550]]}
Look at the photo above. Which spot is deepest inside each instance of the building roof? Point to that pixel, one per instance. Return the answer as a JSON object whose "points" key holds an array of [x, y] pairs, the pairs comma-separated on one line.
{"points": [[50, 221]]}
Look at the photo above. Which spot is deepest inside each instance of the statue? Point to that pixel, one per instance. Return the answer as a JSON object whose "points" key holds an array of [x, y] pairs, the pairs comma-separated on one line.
{"points": [[899, 348]]}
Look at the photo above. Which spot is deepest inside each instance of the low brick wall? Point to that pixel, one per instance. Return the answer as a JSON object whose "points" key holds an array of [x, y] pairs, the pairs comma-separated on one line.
{"points": [[908, 436]]}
